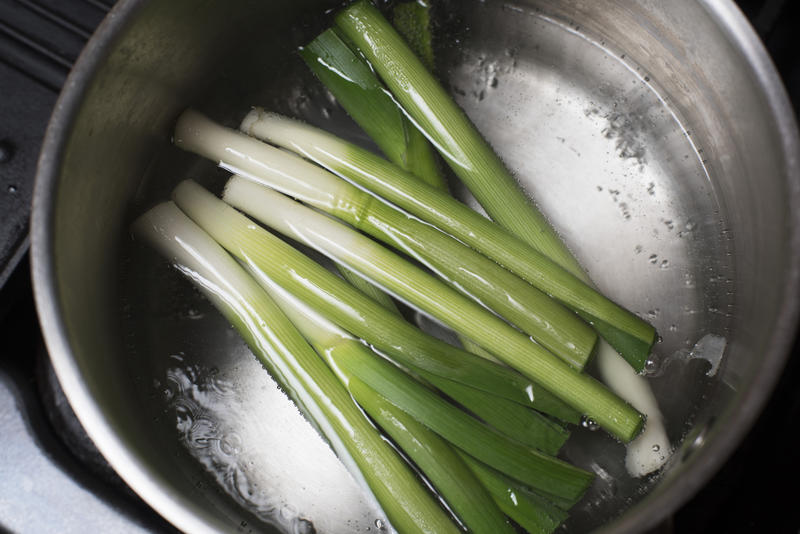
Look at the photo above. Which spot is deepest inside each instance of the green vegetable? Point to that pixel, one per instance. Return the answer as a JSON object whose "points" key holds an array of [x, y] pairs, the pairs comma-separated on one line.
{"points": [[342, 304], [439, 209], [441, 120], [532, 512], [413, 21], [545, 474], [357, 89], [471, 273], [440, 464], [404, 280], [281, 348], [470, 157]]}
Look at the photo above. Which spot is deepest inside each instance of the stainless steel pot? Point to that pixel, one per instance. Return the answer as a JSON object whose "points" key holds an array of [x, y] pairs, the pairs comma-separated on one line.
{"points": [[656, 135]]}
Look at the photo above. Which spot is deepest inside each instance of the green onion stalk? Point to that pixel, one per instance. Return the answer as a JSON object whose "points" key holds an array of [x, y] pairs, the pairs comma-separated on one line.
{"points": [[532, 512], [365, 374], [408, 282], [473, 160], [348, 76], [344, 305], [373, 173], [464, 494], [292, 362], [549, 323]]}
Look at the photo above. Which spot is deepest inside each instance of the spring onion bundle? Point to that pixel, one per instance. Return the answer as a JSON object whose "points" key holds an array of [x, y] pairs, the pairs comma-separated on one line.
{"points": [[620, 327], [523, 305], [470, 424], [426, 104], [426, 292], [342, 304], [433, 455], [282, 349]]}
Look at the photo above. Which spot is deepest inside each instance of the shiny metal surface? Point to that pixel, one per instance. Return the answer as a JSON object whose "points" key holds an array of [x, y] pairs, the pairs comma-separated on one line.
{"points": [[655, 135]]}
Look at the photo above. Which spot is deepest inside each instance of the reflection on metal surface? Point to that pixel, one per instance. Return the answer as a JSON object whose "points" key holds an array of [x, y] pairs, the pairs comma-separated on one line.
{"points": [[38, 494]]}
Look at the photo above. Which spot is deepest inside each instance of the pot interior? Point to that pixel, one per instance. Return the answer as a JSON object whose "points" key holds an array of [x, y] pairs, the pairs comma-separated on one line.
{"points": [[641, 129]]}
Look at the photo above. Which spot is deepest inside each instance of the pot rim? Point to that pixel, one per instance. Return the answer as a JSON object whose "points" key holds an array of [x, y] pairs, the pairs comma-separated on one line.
{"points": [[140, 477], [186, 514]]}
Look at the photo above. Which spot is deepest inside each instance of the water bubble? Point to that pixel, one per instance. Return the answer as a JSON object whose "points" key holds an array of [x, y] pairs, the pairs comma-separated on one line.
{"points": [[589, 423], [193, 314], [380, 524], [653, 258], [12, 189], [230, 444], [652, 366], [664, 264], [303, 526], [673, 328], [638, 249], [656, 447]]}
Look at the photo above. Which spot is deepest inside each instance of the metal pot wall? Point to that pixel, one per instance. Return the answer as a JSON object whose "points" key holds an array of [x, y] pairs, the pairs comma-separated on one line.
{"points": [[690, 215]]}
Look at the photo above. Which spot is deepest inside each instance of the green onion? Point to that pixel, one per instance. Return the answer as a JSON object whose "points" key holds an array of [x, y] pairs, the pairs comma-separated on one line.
{"points": [[545, 474], [440, 464], [484, 174], [515, 421], [357, 89], [351, 80], [368, 288], [344, 305], [471, 273], [438, 208], [444, 123], [550, 324], [281, 348], [413, 21], [532, 512], [404, 280]]}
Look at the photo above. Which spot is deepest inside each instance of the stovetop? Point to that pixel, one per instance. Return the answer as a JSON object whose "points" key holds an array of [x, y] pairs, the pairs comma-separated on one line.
{"points": [[52, 479]]}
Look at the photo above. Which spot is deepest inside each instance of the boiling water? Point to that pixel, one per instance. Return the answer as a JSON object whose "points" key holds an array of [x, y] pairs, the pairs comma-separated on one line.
{"points": [[593, 139]]}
